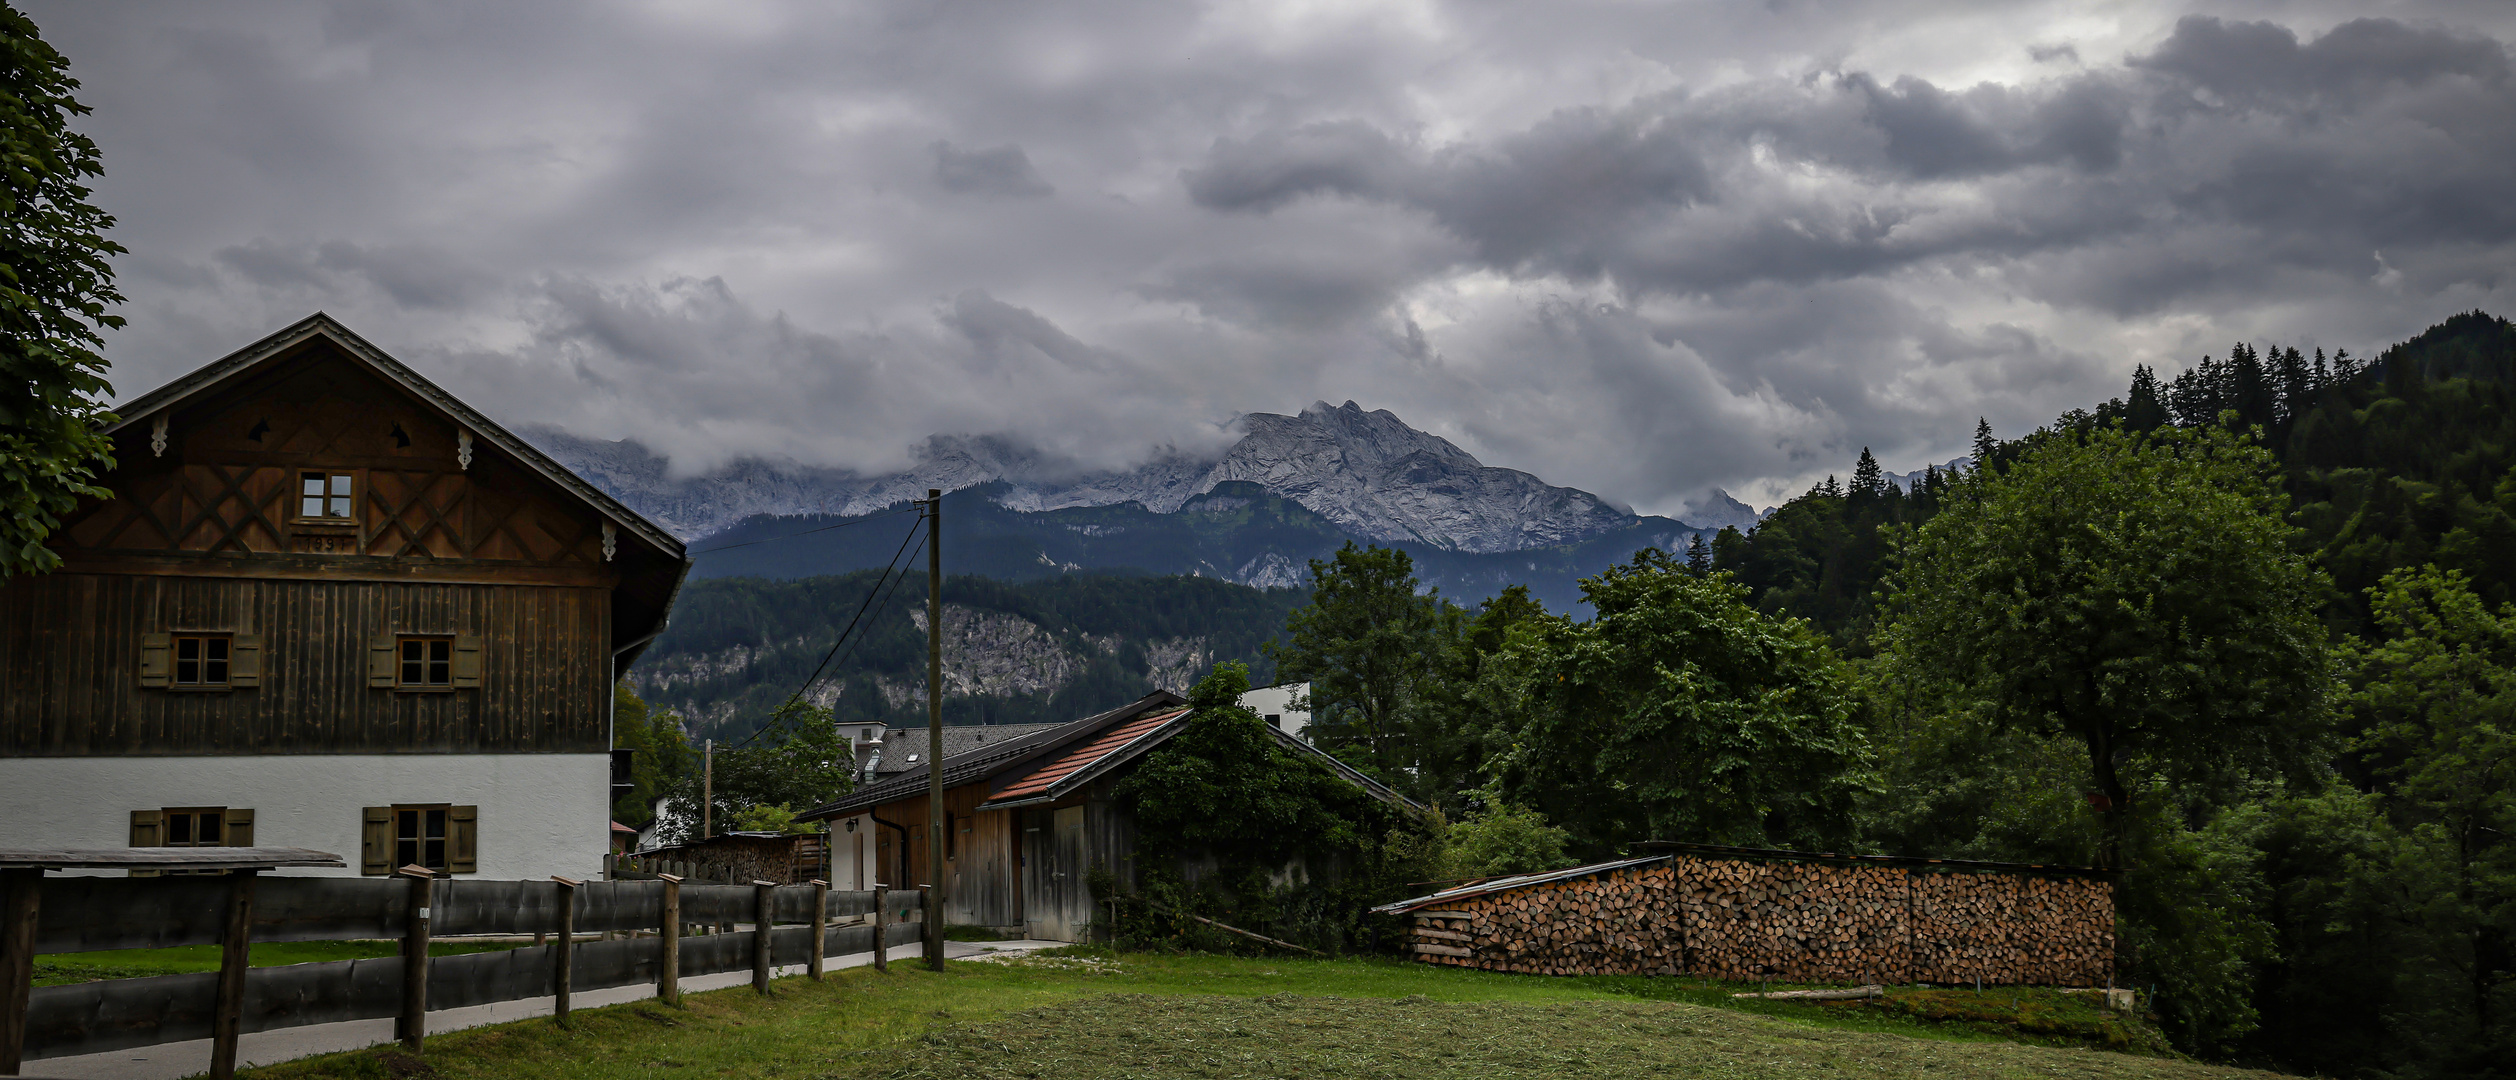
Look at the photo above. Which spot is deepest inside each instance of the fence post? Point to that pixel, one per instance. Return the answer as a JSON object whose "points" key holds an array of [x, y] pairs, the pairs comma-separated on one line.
{"points": [[412, 1025], [763, 919], [235, 954], [820, 927], [668, 973], [563, 963], [882, 917], [20, 891]]}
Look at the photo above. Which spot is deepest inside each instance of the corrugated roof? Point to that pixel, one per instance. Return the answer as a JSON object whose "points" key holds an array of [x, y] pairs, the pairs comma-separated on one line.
{"points": [[1494, 885], [1113, 742], [1719, 851]]}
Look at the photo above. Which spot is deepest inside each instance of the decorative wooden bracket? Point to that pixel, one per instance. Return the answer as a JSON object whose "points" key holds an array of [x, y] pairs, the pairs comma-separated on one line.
{"points": [[611, 541], [463, 450], [157, 435]]}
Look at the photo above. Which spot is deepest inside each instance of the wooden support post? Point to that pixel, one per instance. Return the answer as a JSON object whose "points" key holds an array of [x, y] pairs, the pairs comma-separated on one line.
{"points": [[763, 916], [882, 919], [411, 1025], [235, 955], [563, 962], [820, 927], [20, 893], [930, 926], [668, 973]]}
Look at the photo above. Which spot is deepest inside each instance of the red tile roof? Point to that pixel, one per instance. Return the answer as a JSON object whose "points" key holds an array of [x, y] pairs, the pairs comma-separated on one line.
{"points": [[1107, 743]]}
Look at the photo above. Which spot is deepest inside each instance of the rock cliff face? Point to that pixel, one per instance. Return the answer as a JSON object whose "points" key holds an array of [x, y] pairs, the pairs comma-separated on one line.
{"points": [[1368, 472]]}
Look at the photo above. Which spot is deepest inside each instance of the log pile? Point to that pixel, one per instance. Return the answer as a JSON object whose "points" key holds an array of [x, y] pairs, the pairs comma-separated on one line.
{"points": [[1746, 919]]}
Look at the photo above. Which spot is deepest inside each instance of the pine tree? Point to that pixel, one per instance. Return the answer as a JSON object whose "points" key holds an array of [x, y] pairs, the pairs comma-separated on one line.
{"points": [[1832, 488], [1698, 556], [1867, 480], [2146, 411], [1984, 444]]}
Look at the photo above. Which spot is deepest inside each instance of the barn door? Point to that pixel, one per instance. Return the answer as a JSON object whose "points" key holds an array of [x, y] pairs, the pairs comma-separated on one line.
{"points": [[1056, 903]]}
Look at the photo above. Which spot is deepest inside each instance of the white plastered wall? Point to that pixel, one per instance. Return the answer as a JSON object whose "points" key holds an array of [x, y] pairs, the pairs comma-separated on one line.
{"points": [[1288, 701], [854, 848], [540, 814]]}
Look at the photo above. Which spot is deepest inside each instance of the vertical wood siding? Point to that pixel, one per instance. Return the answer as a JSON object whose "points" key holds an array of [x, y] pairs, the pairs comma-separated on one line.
{"points": [[69, 667]]}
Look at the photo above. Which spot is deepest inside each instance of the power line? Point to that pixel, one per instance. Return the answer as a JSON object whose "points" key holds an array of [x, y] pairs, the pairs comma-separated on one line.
{"points": [[806, 532], [852, 623]]}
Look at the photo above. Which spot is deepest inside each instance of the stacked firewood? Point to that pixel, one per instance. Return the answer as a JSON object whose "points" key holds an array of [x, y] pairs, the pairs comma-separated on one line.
{"points": [[1750, 919]]}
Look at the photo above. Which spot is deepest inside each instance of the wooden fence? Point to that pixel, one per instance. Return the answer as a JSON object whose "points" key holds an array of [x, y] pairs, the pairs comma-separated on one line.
{"points": [[84, 914], [1801, 918]]}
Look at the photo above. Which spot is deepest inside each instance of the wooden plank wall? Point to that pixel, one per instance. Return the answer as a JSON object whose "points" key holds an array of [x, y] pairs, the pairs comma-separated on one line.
{"points": [[1805, 922], [69, 658], [985, 888]]}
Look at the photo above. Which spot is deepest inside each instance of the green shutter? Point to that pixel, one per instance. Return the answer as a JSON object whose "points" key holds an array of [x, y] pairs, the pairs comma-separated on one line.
{"points": [[155, 650], [375, 847], [463, 840], [244, 660]]}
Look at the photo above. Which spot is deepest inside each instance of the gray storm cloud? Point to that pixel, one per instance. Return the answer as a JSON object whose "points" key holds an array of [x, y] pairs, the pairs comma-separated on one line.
{"points": [[1637, 251]]}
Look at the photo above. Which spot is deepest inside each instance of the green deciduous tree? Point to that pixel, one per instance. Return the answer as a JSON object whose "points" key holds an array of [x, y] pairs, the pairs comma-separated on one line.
{"points": [[2438, 698], [1368, 643], [796, 762], [661, 756], [1679, 713], [2134, 592], [55, 287]]}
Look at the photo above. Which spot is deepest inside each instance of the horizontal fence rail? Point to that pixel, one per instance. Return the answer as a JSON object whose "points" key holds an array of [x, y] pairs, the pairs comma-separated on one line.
{"points": [[88, 914]]}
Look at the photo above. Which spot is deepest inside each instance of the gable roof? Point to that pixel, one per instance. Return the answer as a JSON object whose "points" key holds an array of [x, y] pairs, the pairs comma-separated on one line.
{"points": [[901, 744], [988, 760], [1050, 765], [219, 372], [643, 600]]}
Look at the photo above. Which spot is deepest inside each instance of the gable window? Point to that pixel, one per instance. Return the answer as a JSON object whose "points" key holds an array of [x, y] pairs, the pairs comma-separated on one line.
{"points": [[324, 496], [426, 663], [201, 661]]}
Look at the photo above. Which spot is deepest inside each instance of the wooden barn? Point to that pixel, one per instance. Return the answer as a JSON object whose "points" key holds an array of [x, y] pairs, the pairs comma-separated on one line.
{"points": [[328, 606], [1026, 820]]}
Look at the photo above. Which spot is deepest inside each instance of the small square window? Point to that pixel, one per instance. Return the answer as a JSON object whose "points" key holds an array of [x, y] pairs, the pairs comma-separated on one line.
{"points": [[324, 496], [425, 663], [201, 660], [419, 836]]}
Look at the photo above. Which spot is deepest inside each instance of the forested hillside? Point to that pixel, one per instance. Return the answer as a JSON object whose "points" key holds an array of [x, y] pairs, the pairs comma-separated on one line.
{"points": [[1015, 652], [2390, 464]]}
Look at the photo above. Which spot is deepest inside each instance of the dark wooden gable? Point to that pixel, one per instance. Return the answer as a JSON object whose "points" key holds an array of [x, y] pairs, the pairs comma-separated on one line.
{"points": [[227, 483], [546, 587]]}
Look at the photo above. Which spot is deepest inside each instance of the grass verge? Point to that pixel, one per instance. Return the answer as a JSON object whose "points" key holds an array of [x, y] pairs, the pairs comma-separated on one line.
{"points": [[1084, 1013], [58, 969]]}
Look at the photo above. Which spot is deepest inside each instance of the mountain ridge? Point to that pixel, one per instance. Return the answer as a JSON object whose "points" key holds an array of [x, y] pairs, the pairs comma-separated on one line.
{"points": [[1367, 472]]}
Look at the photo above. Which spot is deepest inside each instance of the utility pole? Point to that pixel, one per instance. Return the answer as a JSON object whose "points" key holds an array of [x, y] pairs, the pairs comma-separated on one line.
{"points": [[934, 730], [707, 791]]}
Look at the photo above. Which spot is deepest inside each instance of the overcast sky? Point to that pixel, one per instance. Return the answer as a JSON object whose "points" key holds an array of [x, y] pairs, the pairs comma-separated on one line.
{"points": [[1640, 249]]}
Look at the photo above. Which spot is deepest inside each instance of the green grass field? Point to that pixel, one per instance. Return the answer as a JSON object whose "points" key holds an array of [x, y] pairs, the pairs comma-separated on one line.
{"points": [[1081, 1013], [56, 969]]}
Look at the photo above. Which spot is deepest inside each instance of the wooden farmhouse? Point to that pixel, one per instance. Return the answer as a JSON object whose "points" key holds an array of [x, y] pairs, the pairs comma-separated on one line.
{"points": [[1026, 819], [328, 606]]}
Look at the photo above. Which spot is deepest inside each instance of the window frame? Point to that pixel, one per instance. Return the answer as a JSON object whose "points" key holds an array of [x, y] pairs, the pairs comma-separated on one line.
{"points": [[444, 840], [333, 479], [226, 641], [402, 665]]}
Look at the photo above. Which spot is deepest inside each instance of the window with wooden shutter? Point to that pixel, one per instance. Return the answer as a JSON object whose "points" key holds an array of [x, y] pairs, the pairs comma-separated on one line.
{"points": [[375, 839], [380, 666], [467, 660], [239, 827], [463, 840], [154, 652], [245, 661]]}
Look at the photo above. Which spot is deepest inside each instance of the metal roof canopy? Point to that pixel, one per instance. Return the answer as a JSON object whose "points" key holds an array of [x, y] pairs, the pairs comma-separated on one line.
{"points": [[201, 858], [1678, 847], [1517, 881]]}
